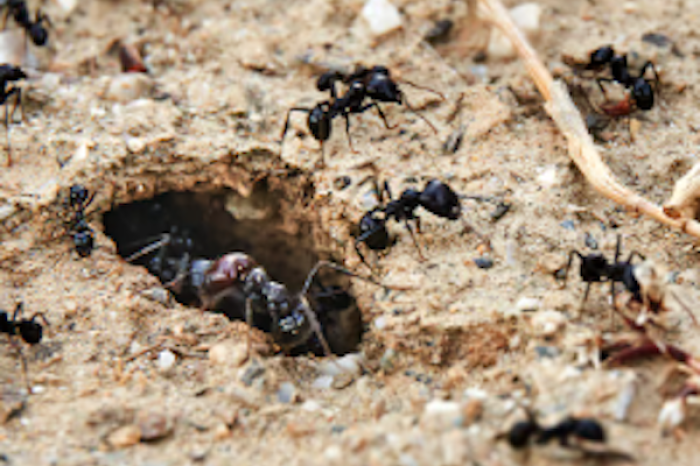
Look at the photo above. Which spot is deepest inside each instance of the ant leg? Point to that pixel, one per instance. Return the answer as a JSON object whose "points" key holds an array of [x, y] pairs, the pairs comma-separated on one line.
{"points": [[286, 123], [323, 154], [249, 322], [423, 88], [359, 253], [569, 263], [338, 268], [381, 114], [618, 247], [7, 134], [19, 309], [408, 105], [585, 294], [657, 81], [315, 325], [415, 241], [347, 131], [42, 316], [175, 284], [163, 241], [637, 254], [387, 190]]}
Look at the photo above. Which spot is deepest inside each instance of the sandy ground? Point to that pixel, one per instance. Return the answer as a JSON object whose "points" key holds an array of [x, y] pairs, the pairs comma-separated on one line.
{"points": [[444, 361]]}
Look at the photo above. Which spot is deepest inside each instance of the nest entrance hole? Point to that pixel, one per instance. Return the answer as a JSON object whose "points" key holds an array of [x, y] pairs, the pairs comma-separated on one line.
{"points": [[222, 221]]}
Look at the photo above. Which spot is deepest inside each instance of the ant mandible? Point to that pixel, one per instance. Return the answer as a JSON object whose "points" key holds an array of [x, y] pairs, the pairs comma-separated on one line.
{"points": [[642, 92], [29, 330], [83, 236], [595, 268], [8, 74], [437, 197], [20, 12]]}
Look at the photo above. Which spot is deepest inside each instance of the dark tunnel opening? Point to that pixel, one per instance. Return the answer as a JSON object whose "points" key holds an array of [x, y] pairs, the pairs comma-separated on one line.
{"points": [[207, 225]]}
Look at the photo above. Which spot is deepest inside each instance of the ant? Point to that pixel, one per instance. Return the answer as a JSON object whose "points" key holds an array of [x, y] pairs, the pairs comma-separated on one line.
{"points": [[522, 433], [236, 276], [83, 236], [373, 83], [29, 330], [19, 11], [642, 92], [8, 74], [437, 198], [595, 268]]}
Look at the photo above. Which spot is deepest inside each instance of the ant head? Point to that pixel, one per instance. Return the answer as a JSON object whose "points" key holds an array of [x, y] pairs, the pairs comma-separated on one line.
{"points": [[643, 94], [520, 434], [255, 281], [326, 81], [31, 331], [379, 69], [84, 243], [11, 73], [441, 200], [39, 34], [320, 121], [601, 57], [589, 429], [78, 195]]}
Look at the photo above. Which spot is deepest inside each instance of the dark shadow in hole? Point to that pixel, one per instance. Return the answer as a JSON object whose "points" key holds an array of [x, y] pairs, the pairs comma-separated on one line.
{"points": [[221, 221]]}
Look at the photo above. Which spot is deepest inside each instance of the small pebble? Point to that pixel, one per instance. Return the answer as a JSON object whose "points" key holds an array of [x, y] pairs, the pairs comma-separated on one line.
{"points": [[382, 16], [590, 241], [228, 352], [6, 211], [568, 224], [287, 393], [341, 381], [546, 352], [500, 211], [527, 304], [350, 363], [443, 414], [547, 323], [125, 436], [483, 262], [157, 294], [166, 361], [342, 182], [657, 39], [252, 372], [386, 363], [440, 32], [153, 426], [323, 382], [127, 87]]}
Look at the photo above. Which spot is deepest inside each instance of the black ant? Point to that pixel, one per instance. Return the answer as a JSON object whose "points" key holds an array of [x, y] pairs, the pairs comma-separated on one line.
{"points": [[523, 433], [83, 236], [8, 74], [36, 30], [437, 198], [595, 268], [373, 83], [29, 330], [642, 92], [583, 434]]}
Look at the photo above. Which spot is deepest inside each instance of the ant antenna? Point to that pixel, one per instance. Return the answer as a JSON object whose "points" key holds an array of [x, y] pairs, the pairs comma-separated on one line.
{"points": [[413, 110], [160, 241], [338, 268], [423, 88]]}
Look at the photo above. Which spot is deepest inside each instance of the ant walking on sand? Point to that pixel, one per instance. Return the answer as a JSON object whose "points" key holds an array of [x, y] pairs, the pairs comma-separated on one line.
{"points": [[20, 12], [29, 330], [8, 74], [437, 197], [373, 83], [641, 94], [83, 236], [595, 268]]}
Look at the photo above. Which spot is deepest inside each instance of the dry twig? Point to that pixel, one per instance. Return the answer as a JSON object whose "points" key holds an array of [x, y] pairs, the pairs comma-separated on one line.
{"points": [[582, 150]]}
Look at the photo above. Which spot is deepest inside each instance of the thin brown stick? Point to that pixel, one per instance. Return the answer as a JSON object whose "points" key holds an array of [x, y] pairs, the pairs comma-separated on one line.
{"points": [[582, 149]]}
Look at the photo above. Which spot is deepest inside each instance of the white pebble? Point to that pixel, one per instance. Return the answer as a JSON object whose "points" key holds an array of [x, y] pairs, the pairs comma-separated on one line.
{"points": [[166, 360], [323, 382], [380, 323], [287, 393], [348, 364], [311, 406], [527, 18], [624, 401], [527, 304], [442, 414], [547, 323], [672, 414], [382, 16]]}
